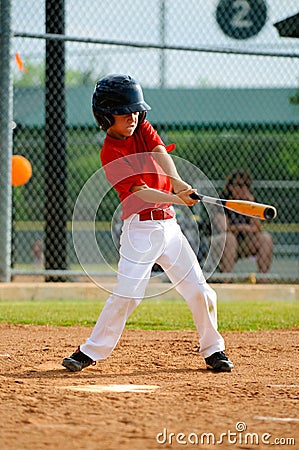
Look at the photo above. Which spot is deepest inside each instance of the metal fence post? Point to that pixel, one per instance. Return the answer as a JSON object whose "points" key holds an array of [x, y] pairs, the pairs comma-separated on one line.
{"points": [[55, 143], [6, 108]]}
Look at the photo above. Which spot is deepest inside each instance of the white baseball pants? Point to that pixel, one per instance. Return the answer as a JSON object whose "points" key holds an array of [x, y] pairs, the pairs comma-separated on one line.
{"points": [[141, 245]]}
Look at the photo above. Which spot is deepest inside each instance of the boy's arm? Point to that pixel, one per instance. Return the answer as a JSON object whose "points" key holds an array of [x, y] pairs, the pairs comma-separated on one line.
{"points": [[182, 190], [166, 162], [151, 195]]}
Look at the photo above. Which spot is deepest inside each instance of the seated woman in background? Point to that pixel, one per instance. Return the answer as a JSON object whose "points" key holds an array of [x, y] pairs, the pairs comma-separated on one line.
{"points": [[244, 235]]}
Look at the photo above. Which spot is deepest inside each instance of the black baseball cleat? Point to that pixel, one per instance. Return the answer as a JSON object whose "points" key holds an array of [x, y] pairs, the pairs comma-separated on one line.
{"points": [[219, 362], [77, 361]]}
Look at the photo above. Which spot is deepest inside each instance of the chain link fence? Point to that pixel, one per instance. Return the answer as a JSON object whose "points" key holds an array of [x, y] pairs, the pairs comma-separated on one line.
{"points": [[222, 80]]}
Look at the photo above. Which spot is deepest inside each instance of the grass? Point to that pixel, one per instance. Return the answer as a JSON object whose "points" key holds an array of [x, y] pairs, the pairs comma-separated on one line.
{"points": [[154, 315]]}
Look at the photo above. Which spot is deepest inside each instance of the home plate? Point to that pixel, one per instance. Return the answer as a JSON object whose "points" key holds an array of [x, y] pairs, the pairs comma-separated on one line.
{"points": [[115, 388]]}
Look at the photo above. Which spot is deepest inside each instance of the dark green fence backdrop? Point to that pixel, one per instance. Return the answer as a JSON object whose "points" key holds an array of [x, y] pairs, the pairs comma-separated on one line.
{"points": [[227, 101]]}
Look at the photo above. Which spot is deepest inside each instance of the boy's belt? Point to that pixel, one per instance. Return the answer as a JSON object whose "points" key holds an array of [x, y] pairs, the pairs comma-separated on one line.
{"points": [[157, 214]]}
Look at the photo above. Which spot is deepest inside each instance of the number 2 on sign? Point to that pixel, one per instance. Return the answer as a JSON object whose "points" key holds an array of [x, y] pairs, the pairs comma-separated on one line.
{"points": [[239, 19]]}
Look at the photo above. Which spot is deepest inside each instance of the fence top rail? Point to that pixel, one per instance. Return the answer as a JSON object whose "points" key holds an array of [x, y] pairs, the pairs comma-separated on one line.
{"points": [[150, 45]]}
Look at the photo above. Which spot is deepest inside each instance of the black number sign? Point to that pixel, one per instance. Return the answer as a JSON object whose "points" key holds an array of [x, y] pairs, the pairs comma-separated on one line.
{"points": [[241, 19]]}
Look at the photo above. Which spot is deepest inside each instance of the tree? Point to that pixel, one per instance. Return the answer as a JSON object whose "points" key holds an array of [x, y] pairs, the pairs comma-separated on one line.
{"points": [[35, 76]]}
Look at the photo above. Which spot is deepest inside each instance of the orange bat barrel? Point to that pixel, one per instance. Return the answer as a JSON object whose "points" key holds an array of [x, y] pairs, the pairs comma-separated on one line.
{"points": [[264, 212], [252, 209]]}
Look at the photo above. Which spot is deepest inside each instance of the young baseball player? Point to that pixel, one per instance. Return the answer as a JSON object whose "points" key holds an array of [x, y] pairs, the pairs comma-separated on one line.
{"points": [[137, 164]]}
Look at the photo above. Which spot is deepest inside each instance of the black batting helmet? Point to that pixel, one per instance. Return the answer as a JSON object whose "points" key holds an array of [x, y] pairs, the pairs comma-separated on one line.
{"points": [[117, 94]]}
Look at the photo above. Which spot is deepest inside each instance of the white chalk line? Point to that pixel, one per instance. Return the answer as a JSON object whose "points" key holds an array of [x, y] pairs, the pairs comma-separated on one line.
{"points": [[292, 386], [277, 419]]}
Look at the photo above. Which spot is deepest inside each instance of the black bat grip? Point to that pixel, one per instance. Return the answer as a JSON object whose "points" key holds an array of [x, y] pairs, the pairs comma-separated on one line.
{"points": [[195, 196]]}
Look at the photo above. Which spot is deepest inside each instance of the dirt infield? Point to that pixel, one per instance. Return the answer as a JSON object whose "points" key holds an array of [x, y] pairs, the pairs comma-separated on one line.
{"points": [[253, 407]]}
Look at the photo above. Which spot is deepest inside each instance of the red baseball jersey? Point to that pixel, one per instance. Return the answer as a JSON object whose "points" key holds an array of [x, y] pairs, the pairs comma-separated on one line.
{"points": [[130, 162]]}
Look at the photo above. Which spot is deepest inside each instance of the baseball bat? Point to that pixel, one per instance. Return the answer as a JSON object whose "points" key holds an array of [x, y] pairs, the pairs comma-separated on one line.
{"points": [[252, 209]]}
